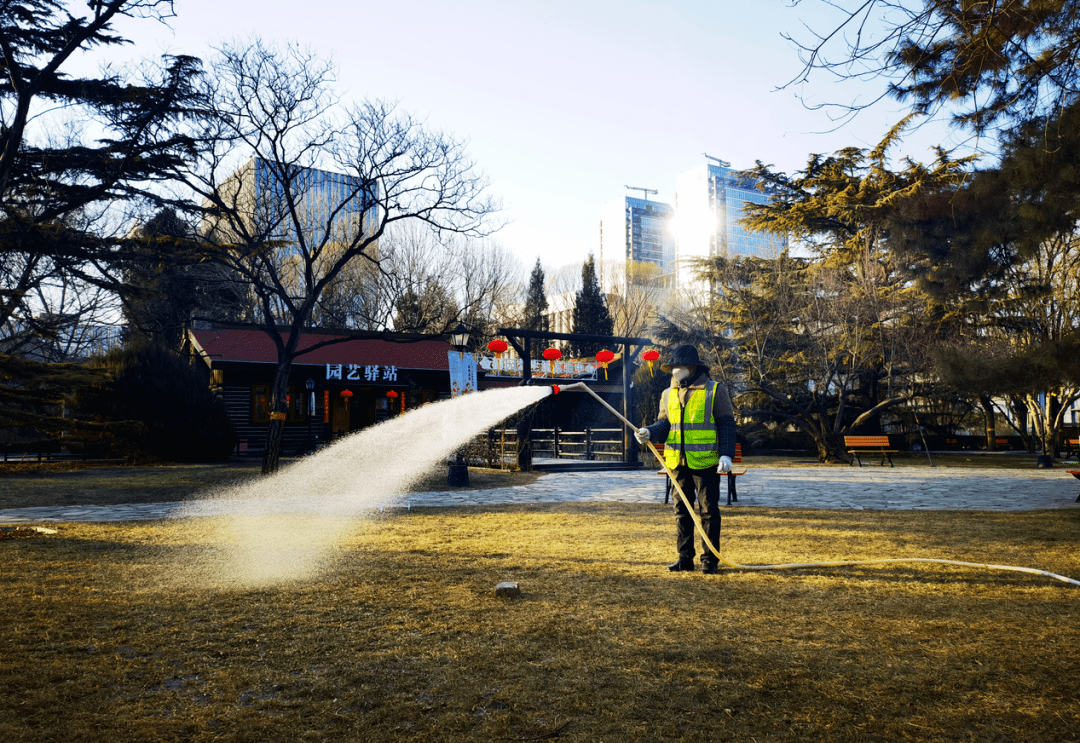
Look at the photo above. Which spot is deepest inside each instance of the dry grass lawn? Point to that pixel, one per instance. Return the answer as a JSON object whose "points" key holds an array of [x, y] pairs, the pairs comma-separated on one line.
{"points": [[106, 638], [71, 483]]}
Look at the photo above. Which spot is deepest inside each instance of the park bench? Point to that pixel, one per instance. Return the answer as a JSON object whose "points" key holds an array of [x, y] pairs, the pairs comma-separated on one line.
{"points": [[732, 495], [859, 445], [1073, 446]]}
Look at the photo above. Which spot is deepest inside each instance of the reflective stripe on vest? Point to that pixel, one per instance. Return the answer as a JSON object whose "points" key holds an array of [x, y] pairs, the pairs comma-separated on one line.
{"points": [[693, 429]]}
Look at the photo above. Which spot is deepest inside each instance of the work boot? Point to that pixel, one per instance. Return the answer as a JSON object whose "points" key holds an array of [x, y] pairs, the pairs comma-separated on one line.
{"points": [[710, 568], [681, 566]]}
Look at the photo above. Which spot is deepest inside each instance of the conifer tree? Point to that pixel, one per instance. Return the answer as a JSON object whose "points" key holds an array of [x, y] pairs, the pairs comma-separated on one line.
{"points": [[534, 314], [57, 179], [591, 314]]}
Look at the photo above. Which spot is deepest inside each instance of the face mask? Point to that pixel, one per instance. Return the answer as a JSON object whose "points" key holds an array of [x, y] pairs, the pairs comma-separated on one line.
{"points": [[680, 373]]}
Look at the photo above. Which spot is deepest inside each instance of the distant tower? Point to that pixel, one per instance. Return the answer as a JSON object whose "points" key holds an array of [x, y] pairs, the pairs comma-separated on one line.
{"points": [[633, 229], [709, 203]]}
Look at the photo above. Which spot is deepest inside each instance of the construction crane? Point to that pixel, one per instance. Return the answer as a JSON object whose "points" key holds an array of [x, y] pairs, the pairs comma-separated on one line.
{"points": [[724, 163], [645, 191]]}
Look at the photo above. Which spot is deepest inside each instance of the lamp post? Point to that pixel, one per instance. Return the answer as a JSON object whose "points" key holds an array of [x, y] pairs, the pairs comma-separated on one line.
{"points": [[459, 338], [310, 385], [458, 476]]}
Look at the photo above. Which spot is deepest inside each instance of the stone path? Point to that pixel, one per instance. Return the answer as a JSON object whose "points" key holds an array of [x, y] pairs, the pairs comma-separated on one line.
{"points": [[868, 487]]}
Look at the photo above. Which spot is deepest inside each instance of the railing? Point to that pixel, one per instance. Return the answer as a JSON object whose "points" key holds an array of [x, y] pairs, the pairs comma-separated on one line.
{"points": [[590, 444], [498, 448], [48, 452]]}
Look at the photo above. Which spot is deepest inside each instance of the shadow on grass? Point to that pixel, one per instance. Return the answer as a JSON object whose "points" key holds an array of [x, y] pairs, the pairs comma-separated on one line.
{"points": [[400, 635]]}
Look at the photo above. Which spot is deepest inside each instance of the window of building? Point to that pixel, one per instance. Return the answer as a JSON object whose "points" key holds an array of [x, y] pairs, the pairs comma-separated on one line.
{"points": [[295, 410]]}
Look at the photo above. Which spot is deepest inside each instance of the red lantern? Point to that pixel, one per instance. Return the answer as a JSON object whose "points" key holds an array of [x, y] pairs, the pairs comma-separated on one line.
{"points": [[651, 356], [551, 355], [392, 395], [346, 394], [498, 347], [605, 357]]}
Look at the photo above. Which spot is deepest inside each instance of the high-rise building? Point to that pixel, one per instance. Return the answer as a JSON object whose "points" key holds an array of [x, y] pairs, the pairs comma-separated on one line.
{"points": [[709, 203], [639, 230], [272, 204]]}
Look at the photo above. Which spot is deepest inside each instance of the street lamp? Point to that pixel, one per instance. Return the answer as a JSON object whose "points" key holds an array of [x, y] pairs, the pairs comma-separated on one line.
{"points": [[459, 339], [458, 476]]}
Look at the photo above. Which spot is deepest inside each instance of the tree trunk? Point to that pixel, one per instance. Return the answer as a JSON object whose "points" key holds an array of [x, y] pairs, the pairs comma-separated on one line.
{"points": [[1020, 410], [524, 432], [991, 424], [831, 449], [279, 392], [272, 453]]}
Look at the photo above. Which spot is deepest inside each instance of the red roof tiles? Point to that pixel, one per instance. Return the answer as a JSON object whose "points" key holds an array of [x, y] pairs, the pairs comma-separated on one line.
{"points": [[254, 346]]}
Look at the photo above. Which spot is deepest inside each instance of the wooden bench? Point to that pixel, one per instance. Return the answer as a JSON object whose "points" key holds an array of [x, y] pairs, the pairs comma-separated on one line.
{"points": [[732, 495], [1072, 445], [859, 445]]}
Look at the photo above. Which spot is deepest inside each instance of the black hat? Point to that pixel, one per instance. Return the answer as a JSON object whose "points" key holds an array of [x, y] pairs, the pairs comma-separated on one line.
{"points": [[682, 356]]}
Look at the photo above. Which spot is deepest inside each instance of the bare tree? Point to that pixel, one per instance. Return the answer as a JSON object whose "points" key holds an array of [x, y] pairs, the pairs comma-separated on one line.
{"points": [[297, 187], [634, 296], [472, 279], [1038, 319]]}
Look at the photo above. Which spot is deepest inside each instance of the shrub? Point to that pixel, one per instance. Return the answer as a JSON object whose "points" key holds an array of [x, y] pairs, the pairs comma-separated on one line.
{"points": [[179, 418]]}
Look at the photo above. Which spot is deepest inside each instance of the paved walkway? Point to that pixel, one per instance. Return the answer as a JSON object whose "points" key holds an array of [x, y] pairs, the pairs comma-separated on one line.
{"points": [[870, 487]]}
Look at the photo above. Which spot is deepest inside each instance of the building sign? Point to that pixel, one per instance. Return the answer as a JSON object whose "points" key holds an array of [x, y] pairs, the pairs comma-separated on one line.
{"points": [[462, 373], [540, 368], [361, 373]]}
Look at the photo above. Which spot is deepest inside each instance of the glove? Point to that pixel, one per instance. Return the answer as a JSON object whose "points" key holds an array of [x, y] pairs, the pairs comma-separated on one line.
{"points": [[725, 465], [642, 435]]}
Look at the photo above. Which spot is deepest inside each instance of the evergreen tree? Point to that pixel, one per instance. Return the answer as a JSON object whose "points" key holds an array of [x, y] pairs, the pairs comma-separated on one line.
{"points": [[161, 407], [54, 177], [163, 294], [989, 64], [591, 314], [534, 314]]}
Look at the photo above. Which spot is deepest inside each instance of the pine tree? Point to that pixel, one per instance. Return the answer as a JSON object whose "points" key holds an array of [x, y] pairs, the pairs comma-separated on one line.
{"points": [[53, 178], [534, 315], [163, 294], [591, 314]]}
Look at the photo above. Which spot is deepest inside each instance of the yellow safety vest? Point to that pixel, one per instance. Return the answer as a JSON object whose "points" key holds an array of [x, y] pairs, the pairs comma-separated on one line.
{"points": [[693, 429]]}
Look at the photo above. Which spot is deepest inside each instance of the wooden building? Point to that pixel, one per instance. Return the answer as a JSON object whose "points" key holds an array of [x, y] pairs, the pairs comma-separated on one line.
{"points": [[333, 389]]}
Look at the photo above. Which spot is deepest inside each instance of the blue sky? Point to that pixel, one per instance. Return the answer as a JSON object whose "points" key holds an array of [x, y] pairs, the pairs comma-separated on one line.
{"points": [[565, 102]]}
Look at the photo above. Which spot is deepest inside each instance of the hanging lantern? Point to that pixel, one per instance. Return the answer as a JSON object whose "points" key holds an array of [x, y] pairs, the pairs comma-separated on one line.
{"points": [[498, 347], [391, 394], [346, 394], [551, 355], [651, 356], [605, 357]]}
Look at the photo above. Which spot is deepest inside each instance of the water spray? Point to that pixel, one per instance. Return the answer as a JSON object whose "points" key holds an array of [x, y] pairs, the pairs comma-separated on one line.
{"points": [[793, 566]]}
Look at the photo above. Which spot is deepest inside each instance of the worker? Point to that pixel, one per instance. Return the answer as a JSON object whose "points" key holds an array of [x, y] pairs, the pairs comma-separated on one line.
{"points": [[697, 426]]}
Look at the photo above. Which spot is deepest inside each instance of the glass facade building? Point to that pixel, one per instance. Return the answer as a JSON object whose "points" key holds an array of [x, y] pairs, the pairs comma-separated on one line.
{"points": [[327, 207], [709, 202], [633, 229]]}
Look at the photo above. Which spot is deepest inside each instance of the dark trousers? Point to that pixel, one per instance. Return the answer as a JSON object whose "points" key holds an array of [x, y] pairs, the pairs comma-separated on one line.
{"points": [[702, 488]]}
